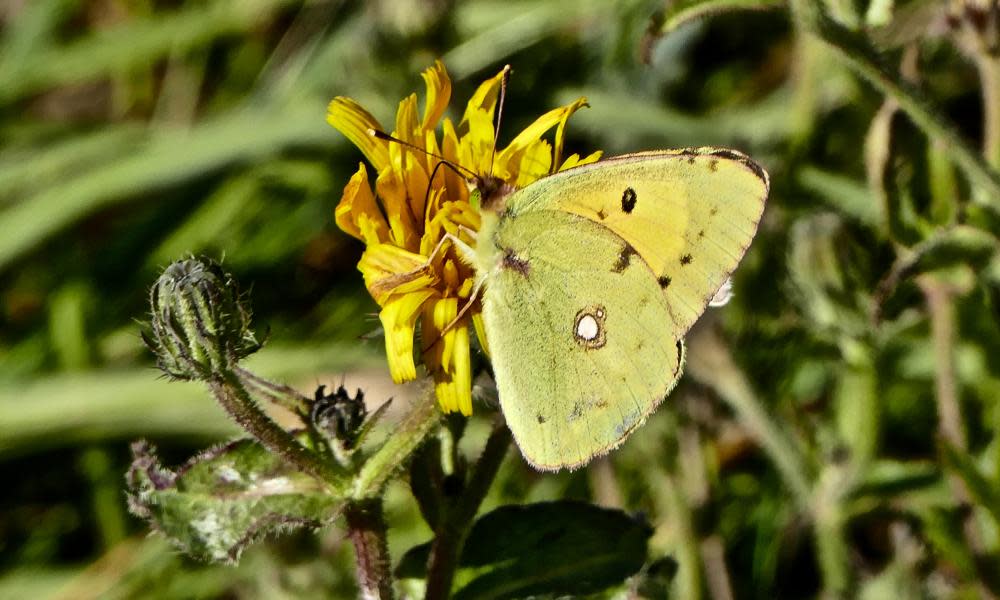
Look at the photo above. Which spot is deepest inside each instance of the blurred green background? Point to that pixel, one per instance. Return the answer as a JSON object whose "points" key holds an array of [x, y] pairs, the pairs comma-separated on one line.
{"points": [[836, 432]]}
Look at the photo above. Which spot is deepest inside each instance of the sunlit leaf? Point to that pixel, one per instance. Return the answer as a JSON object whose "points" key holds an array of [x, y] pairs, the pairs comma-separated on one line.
{"points": [[226, 498]]}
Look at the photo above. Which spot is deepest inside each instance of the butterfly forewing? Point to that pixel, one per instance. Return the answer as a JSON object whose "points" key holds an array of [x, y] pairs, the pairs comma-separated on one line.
{"points": [[690, 215]]}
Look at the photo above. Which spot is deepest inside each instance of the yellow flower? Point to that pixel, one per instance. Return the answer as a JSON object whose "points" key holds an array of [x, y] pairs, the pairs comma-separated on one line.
{"points": [[410, 265]]}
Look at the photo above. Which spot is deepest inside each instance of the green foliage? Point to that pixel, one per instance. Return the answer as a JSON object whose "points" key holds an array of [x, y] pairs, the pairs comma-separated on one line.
{"points": [[837, 432], [225, 498], [544, 548]]}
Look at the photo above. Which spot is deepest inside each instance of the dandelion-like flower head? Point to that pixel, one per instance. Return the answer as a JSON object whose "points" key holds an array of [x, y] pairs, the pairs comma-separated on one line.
{"points": [[411, 266]]}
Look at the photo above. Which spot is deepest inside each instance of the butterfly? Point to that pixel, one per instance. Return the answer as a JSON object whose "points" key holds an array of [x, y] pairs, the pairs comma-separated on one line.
{"points": [[590, 279]]}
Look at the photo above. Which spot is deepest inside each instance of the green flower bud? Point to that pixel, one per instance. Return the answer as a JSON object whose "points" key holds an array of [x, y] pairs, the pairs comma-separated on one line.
{"points": [[199, 327]]}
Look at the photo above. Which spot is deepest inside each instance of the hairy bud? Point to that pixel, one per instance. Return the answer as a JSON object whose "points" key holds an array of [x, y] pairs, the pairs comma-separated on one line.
{"points": [[199, 328]]}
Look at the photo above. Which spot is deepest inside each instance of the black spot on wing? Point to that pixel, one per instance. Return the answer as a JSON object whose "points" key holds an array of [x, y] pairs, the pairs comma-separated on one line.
{"points": [[628, 200], [624, 259], [686, 259], [744, 160], [540, 418], [680, 357], [664, 282], [515, 263]]}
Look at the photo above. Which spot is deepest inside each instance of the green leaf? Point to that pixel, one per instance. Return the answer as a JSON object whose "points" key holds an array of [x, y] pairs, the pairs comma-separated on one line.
{"points": [[558, 548], [890, 478], [985, 492], [226, 498], [958, 245], [847, 196], [133, 45], [685, 11]]}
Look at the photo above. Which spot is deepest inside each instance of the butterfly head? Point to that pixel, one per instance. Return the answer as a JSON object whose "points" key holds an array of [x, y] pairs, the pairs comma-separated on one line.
{"points": [[490, 193]]}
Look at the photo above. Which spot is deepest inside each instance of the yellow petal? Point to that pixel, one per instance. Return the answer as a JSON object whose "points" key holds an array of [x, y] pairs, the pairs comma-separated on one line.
{"points": [[399, 317], [438, 315], [350, 119], [392, 190], [447, 355], [534, 132], [438, 86], [477, 322], [534, 163], [476, 144], [484, 100], [460, 374], [591, 158], [574, 160], [390, 270], [561, 129], [406, 123], [451, 149], [357, 213]]}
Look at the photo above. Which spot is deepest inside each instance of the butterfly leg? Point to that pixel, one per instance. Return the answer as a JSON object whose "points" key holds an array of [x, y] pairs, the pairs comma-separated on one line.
{"points": [[466, 252]]}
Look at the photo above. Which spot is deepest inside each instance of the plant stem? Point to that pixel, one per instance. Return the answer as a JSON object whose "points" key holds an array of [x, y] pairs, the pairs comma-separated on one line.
{"points": [[989, 77], [941, 309], [710, 363], [676, 510], [282, 395], [832, 549], [368, 531], [234, 398], [450, 537], [857, 52], [950, 425], [423, 418]]}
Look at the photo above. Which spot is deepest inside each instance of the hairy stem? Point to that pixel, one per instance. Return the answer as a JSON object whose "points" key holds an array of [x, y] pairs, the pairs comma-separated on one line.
{"points": [[450, 537], [282, 395], [367, 530], [234, 398]]}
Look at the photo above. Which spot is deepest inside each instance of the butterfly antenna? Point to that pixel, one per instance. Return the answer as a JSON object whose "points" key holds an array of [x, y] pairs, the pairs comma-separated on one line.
{"points": [[427, 194], [465, 308], [459, 170], [468, 173], [500, 103]]}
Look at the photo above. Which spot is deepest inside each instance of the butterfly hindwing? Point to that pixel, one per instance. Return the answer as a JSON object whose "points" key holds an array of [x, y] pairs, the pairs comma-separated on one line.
{"points": [[583, 346]]}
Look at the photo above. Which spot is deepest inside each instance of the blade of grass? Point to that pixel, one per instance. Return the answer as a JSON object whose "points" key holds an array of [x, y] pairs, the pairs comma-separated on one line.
{"points": [[168, 158]]}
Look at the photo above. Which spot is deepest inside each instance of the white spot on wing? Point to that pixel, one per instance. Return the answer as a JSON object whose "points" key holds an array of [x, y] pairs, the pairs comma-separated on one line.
{"points": [[587, 328], [724, 295]]}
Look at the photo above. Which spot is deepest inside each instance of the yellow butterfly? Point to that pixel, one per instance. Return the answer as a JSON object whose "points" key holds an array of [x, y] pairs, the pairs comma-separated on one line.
{"points": [[592, 276]]}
